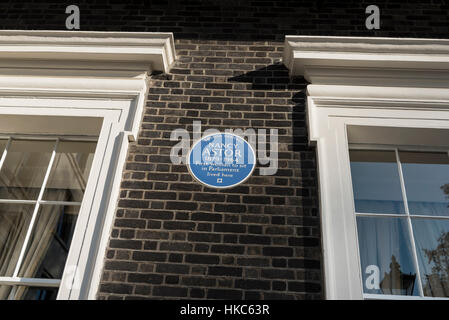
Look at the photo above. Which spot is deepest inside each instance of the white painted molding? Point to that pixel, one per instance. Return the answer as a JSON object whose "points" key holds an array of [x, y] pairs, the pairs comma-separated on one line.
{"points": [[76, 64], [69, 78], [153, 49], [375, 93], [370, 61], [365, 83]]}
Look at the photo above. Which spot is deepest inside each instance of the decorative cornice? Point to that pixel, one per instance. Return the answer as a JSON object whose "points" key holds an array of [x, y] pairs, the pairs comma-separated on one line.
{"points": [[123, 49], [368, 61]]}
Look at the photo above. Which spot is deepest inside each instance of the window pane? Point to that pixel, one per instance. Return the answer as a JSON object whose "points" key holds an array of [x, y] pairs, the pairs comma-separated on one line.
{"points": [[386, 256], [5, 292], [70, 171], [2, 146], [14, 223], [37, 293], [426, 178], [375, 181], [432, 246], [24, 169], [27, 293], [50, 241]]}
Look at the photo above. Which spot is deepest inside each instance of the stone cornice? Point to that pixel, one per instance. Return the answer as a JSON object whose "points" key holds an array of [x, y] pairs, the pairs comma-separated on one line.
{"points": [[368, 61], [125, 50]]}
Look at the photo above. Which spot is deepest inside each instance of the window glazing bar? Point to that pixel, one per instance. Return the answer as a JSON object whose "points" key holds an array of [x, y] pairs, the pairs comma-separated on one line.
{"points": [[398, 215], [393, 215], [49, 137], [409, 222], [36, 210], [46, 202], [370, 296], [429, 217], [5, 152], [30, 282], [59, 203], [18, 201], [386, 147]]}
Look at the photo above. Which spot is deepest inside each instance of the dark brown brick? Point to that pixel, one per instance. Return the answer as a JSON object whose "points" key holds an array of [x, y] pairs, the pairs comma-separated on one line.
{"points": [[145, 278], [225, 271], [169, 291], [202, 259]]}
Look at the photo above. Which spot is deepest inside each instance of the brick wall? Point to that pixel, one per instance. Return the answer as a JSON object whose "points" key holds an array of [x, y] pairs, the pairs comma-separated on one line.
{"points": [[248, 20], [174, 238]]}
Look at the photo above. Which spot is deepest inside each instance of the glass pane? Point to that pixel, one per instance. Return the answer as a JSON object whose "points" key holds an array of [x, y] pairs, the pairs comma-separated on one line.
{"points": [[49, 244], [386, 256], [2, 146], [24, 169], [14, 223], [70, 171], [27, 293], [426, 178], [375, 181], [432, 246], [37, 293], [5, 292]]}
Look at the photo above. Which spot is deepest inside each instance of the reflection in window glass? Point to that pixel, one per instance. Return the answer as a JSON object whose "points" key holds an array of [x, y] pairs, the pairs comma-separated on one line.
{"points": [[426, 178], [2, 146], [14, 222], [23, 171], [50, 241], [70, 171], [37, 293], [44, 252], [376, 182], [432, 246], [29, 293], [386, 256]]}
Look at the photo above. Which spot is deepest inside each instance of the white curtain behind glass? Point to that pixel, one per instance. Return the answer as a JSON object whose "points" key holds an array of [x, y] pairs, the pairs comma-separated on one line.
{"points": [[432, 246], [384, 243], [67, 182]]}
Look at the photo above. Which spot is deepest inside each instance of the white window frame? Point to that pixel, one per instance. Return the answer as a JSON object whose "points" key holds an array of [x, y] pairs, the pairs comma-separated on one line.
{"points": [[380, 82], [84, 75], [37, 204], [406, 215]]}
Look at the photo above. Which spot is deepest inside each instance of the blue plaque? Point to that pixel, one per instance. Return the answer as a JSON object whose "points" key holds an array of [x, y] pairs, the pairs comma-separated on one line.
{"points": [[221, 160]]}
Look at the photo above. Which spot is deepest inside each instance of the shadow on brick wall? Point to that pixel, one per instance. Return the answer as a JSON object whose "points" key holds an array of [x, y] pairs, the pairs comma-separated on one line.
{"points": [[275, 79], [272, 77]]}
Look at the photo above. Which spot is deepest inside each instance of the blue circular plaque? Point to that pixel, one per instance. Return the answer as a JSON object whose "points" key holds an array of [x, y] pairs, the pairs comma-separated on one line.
{"points": [[221, 160]]}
